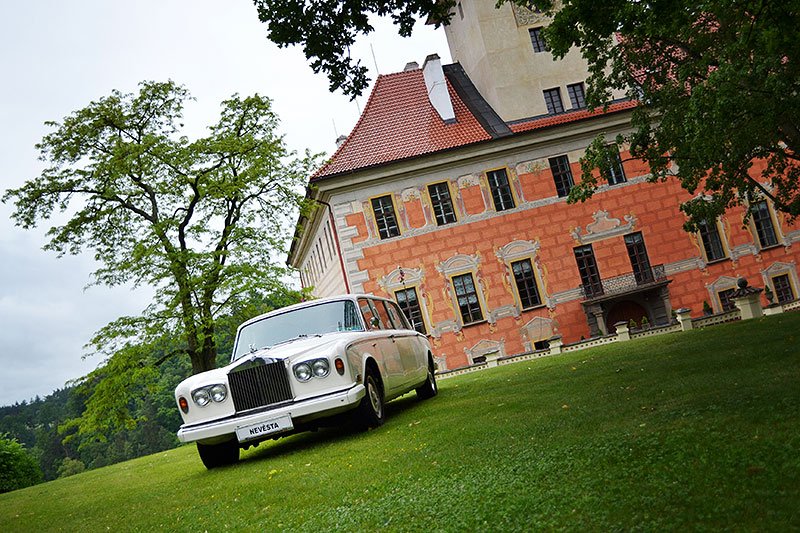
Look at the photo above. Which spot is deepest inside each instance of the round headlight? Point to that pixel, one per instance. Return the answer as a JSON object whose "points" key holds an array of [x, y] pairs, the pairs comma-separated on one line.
{"points": [[218, 393], [320, 368], [302, 372], [201, 397]]}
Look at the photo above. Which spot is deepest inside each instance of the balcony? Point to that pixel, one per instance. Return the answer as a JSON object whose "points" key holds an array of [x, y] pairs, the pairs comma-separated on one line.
{"points": [[626, 283]]}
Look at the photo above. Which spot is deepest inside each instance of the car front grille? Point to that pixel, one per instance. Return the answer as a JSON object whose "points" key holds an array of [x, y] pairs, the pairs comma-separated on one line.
{"points": [[260, 385]]}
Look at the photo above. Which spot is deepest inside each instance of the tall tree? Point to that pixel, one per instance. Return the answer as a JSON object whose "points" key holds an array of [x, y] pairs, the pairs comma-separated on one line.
{"points": [[718, 82], [202, 221]]}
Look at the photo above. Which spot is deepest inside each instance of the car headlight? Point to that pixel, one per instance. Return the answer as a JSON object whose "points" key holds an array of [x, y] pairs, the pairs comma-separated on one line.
{"points": [[205, 395], [316, 368], [302, 372], [320, 368], [218, 393], [201, 397]]}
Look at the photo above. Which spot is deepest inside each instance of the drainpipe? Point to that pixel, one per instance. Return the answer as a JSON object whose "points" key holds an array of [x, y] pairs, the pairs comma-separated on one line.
{"points": [[338, 246]]}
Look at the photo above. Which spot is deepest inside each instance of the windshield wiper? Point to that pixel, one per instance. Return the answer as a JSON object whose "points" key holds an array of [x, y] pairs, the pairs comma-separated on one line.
{"points": [[292, 339]]}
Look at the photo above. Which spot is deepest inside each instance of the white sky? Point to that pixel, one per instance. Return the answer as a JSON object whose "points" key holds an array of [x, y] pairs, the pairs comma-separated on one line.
{"points": [[56, 57]]}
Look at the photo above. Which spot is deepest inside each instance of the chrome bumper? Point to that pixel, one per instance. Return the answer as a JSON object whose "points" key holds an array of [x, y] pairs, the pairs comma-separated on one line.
{"points": [[305, 409]]}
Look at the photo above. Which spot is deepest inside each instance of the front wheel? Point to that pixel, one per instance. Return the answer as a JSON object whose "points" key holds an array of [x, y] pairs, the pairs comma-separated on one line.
{"points": [[370, 412], [216, 455], [429, 389]]}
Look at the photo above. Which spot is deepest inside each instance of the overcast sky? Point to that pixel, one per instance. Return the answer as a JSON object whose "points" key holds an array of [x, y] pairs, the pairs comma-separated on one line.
{"points": [[56, 57]]}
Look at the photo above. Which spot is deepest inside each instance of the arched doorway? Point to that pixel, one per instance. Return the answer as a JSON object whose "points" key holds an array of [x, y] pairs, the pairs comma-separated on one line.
{"points": [[625, 311]]}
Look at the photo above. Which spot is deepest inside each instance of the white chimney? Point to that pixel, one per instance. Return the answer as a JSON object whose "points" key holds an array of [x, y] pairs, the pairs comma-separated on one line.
{"points": [[436, 84]]}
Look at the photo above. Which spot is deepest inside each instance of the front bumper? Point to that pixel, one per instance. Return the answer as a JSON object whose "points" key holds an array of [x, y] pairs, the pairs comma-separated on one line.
{"points": [[300, 412]]}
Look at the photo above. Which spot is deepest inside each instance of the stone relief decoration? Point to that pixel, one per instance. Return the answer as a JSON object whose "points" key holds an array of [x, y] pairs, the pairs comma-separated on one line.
{"points": [[369, 218], [518, 187], [410, 193], [779, 268], [486, 350], [400, 278], [504, 311], [406, 278], [528, 16], [531, 167], [742, 250], [463, 264], [604, 227], [537, 329], [441, 362], [459, 263], [517, 250], [722, 283], [468, 180]]}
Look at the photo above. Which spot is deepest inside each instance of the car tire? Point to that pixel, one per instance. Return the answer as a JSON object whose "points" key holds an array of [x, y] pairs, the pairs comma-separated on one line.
{"points": [[371, 412], [429, 389], [216, 455]]}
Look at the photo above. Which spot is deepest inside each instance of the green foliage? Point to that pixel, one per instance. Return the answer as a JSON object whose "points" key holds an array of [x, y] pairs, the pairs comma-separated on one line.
{"points": [[18, 469], [718, 90], [327, 28], [677, 432], [203, 221], [70, 467]]}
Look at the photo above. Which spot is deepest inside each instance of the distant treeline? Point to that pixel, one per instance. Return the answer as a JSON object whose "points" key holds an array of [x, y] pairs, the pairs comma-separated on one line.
{"points": [[124, 409]]}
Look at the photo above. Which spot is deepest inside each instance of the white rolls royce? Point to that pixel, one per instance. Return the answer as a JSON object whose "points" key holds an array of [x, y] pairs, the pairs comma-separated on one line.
{"points": [[296, 367]]}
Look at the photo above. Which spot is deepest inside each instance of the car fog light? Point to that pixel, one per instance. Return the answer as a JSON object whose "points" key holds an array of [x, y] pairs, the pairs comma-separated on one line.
{"points": [[201, 397], [183, 404], [218, 393], [339, 364], [302, 372], [320, 367]]}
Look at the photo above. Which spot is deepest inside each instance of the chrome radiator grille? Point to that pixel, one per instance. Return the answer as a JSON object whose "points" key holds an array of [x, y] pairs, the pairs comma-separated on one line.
{"points": [[259, 386]]}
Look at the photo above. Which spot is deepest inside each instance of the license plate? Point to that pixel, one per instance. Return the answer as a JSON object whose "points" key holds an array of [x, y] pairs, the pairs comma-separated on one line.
{"points": [[268, 427]]}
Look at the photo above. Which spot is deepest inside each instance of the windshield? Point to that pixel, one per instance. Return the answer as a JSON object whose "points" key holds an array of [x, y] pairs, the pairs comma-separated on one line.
{"points": [[315, 320]]}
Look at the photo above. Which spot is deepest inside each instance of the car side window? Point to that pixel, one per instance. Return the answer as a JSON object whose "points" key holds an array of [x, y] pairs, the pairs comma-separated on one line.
{"points": [[369, 313], [386, 322], [396, 316]]}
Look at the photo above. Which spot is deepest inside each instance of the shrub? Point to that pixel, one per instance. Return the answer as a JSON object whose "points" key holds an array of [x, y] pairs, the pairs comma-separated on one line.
{"points": [[18, 469]]}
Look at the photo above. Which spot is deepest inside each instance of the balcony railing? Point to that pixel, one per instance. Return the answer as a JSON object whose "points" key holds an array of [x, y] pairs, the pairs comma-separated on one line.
{"points": [[624, 283]]}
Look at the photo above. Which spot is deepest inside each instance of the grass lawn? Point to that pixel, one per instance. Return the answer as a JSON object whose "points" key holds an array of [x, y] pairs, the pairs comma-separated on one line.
{"points": [[696, 430]]}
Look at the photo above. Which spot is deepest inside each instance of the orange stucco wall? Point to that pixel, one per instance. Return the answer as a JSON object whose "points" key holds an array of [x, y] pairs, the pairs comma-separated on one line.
{"points": [[652, 209]]}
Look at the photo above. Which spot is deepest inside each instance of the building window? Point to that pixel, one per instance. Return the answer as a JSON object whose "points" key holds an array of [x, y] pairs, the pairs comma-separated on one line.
{"points": [[409, 303], [726, 300], [616, 172], [577, 95], [562, 174], [765, 229], [552, 98], [537, 40], [525, 280], [712, 243], [587, 268], [501, 190], [384, 217], [783, 288], [637, 253], [442, 203], [467, 298]]}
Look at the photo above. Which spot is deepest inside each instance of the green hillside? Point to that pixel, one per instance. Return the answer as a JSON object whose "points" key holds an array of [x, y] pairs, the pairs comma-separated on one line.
{"points": [[696, 430]]}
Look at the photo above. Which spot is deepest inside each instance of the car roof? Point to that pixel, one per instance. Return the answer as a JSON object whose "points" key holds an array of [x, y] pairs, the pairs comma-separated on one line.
{"points": [[310, 303]]}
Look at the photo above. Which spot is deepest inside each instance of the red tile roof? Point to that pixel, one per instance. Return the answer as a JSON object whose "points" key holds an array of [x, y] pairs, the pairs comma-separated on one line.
{"points": [[398, 123], [571, 116]]}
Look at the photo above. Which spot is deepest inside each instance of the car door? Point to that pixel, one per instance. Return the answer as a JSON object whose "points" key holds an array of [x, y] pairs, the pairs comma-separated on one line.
{"points": [[384, 347], [413, 356]]}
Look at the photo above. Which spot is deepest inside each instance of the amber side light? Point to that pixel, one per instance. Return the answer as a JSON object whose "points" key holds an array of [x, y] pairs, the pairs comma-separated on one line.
{"points": [[339, 364], [183, 404]]}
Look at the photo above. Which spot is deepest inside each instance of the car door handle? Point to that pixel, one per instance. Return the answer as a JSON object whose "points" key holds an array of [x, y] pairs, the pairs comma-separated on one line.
{"points": [[392, 337]]}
